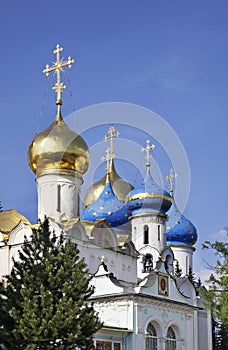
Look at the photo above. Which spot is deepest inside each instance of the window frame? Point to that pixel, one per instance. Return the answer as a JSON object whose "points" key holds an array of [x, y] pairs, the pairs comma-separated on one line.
{"points": [[151, 340], [112, 342], [171, 341]]}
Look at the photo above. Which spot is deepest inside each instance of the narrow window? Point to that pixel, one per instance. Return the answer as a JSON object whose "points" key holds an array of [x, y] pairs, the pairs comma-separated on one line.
{"points": [[159, 233], [58, 198], [146, 235]]}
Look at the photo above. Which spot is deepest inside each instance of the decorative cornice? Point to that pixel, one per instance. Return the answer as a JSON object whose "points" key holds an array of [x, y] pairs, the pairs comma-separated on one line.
{"points": [[144, 299], [148, 195], [148, 214], [169, 244]]}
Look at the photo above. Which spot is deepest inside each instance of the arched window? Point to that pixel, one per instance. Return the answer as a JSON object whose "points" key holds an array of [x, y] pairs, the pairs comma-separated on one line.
{"points": [[171, 342], [148, 263], [146, 234], [151, 337]]}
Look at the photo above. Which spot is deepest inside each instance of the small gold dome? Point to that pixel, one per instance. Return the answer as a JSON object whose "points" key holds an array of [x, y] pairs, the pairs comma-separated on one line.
{"points": [[120, 187], [58, 147]]}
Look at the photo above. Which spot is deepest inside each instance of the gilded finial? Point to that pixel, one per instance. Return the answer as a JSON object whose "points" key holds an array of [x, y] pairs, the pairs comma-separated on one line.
{"points": [[148, 156], [171, 178], [58, 68]]}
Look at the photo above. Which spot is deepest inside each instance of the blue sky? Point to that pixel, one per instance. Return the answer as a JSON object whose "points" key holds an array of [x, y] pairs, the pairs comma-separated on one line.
{"points": [[168, 56]]}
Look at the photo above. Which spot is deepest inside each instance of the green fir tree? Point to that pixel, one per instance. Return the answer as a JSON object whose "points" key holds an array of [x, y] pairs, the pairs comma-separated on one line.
{"points": [[191, 276], [216, 294], [178, 270], [6, 321], [48, 295], [219, 335]]}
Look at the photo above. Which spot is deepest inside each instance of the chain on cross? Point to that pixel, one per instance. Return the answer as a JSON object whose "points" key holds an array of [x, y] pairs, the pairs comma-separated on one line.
{"points": [[58, 68], [171, 178], [147, 151]]}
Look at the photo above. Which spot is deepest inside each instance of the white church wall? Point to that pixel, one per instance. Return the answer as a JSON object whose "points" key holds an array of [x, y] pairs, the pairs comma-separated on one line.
{"points": [[58, 195], [5, 263], [122, 266], [204, 330], [162, 315], [116, 313]]}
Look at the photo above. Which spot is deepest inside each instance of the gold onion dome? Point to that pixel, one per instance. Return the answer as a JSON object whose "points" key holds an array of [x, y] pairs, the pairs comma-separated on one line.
{"points": [[58, 147]]}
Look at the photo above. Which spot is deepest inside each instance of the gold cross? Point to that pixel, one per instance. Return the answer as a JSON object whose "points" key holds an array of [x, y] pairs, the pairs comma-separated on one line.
{"points": [[58, 67], [112, 133], [148, 156], [171, 178]]}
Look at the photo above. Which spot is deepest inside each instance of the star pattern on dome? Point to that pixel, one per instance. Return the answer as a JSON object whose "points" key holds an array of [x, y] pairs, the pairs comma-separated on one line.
{"points": [[148, 197], [180, 230]]}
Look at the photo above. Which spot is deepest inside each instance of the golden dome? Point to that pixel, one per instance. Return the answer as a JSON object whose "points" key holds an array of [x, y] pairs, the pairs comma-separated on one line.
{"points": [[120, 187], [10, 219], [58, 147]]}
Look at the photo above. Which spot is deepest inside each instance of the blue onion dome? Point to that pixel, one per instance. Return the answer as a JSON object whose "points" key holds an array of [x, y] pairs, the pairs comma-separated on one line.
{"points": [[108, 207], [149, 197], [179, 229], [106, 198], [119, 186]]}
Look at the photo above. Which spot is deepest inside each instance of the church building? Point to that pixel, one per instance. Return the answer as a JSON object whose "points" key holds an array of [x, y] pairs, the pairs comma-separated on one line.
{"points": [[138, 246]]}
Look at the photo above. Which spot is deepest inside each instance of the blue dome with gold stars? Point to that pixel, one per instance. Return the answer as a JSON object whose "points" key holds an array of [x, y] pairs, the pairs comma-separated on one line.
{"points": [[109, 203], [149, 197], [179, 230], [107, 207]]}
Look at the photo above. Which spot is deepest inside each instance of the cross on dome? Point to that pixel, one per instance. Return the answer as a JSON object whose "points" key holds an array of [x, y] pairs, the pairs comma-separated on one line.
{"points": [[148, 156], [112, 134], [58, 68], [171, 178]]}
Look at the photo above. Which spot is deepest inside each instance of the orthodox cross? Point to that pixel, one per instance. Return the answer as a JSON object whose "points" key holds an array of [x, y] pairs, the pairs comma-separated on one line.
{"points": [[147, 150], [112, 133], [58, 67], [171, 178]]}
